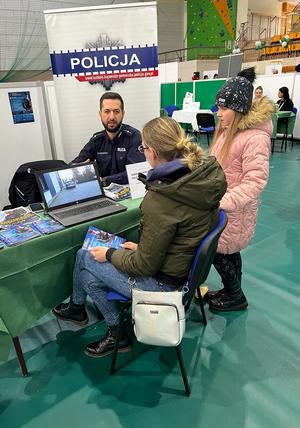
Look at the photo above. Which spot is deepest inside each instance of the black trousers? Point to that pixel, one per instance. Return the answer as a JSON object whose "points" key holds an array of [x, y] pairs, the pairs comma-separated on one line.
{"points": [[229, 267]]}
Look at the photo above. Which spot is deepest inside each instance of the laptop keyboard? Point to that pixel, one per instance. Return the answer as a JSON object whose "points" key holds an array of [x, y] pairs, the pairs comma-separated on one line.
{"points": [[84, 209]]}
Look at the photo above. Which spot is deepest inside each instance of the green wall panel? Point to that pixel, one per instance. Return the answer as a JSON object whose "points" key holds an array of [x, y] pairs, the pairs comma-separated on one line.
{"points": [[181, 89], [167, 94], [205, 92], [210, 24]]}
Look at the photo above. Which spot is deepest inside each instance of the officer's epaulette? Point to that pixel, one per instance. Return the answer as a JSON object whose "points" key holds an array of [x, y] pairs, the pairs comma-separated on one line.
{"points": [[126, 130], [98, 134]]}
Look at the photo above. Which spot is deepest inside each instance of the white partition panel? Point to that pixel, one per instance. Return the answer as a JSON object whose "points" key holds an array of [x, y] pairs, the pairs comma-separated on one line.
{"points": [[296, 100], [271, 84], [21, 142]]}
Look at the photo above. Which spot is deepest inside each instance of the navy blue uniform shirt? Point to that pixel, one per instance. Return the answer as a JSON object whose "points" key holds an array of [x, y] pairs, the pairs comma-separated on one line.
{"points": [[112, 156]]}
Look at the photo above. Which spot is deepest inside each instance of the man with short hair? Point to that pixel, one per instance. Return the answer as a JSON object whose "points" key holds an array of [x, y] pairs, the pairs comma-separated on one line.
{"points": [[114, 147]]}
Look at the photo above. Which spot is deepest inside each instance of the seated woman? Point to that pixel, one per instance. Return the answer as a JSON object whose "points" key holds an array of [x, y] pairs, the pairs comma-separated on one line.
{"points": [[181, 206], [284, 103]]}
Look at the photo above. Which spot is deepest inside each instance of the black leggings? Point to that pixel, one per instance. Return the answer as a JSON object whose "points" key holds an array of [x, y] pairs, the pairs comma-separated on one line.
{"points": [[229, 267]]}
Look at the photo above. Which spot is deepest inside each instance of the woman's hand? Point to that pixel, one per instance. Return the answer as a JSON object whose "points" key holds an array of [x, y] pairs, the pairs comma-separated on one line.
{"points": [[99, 254], [129, 246]]}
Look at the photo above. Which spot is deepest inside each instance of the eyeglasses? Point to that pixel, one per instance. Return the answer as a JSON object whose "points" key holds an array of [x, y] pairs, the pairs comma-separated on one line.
{"points": [[142, 148]]}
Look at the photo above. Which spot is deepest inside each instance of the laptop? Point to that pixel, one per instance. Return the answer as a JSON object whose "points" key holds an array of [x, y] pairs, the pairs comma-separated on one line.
{"points": [[74, 194]]}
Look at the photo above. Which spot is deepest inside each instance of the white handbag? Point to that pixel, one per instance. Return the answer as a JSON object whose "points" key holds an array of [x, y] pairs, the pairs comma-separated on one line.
{"points": [[158, 317]]}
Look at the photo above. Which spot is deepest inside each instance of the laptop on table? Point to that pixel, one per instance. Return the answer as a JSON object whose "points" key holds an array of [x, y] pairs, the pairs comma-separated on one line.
{"points": [[74, 194]]}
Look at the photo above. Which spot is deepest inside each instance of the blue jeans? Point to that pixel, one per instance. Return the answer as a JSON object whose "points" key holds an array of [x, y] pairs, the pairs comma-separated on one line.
{"points": [[97, 279]]}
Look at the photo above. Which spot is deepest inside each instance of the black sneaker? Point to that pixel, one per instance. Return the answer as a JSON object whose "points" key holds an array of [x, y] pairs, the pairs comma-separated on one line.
{"points": [[229, 303], [70, 312], [106, 345]]}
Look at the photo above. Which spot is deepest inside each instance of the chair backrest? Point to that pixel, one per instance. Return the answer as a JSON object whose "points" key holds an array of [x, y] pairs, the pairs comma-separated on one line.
{"points": [[214, 108], [294, 110], [205, 120], [169, 109], [204, 257]]}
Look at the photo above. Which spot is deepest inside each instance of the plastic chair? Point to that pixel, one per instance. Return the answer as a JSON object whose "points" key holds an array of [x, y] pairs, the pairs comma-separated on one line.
{"points": [[169, 109], [198, 273], [285, 127], [206, 124]]}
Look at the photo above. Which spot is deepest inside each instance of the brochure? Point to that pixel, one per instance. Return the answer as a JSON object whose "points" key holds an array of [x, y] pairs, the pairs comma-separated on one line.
{"points": [[16, 216], [137, 188], [118, 192], [99, 238], [47, 225], [16, 235]]}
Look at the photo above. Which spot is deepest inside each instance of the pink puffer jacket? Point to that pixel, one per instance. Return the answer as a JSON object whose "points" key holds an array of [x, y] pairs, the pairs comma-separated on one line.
{"points": [[247, 169]]}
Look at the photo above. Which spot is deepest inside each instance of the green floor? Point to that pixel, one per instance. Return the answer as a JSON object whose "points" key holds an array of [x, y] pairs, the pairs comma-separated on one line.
{"points": [[243, 367]]}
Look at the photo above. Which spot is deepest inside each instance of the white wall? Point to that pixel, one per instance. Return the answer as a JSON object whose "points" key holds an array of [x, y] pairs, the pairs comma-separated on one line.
{"points": [[21, 142], [265, 7], [168, 72]]}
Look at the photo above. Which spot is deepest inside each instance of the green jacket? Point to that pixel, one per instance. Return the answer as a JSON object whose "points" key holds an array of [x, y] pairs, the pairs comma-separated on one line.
{"points": [[175, 216]]}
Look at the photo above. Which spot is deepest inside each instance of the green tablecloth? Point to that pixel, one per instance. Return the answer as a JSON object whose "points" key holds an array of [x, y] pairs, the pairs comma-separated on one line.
{"points": [[37, 275]]}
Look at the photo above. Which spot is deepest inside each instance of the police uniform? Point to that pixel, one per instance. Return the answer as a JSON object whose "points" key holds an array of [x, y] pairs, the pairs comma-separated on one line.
{"points": [[112, 156]]}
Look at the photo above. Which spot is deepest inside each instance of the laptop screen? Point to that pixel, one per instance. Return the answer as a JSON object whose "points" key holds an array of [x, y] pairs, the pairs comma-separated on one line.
{"points": [[69, 186]]}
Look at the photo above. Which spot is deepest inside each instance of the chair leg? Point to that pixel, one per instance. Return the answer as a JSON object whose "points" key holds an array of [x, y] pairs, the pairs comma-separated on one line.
{"points": [[183, 371], [201, 306], [20, 356], [272, 144], [207, 137], [115, 353]]}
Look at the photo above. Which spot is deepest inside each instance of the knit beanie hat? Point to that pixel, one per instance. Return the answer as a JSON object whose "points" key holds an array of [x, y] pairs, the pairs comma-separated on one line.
{"points": [[237, 93]]}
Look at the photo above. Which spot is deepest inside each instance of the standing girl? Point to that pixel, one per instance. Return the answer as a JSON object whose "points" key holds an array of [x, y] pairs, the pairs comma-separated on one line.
{"points": [[242, 146]]}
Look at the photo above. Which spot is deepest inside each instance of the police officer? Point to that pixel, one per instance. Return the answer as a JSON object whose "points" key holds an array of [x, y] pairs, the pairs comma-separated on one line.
{"points": [[116, 146]]}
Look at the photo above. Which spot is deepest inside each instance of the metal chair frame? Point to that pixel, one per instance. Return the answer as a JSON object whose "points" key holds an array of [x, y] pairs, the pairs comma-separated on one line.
{"points": [[198, 273]]}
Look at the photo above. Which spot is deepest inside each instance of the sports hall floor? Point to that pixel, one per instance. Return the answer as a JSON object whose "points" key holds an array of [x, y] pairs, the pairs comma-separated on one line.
{"points": [[243, 367]]}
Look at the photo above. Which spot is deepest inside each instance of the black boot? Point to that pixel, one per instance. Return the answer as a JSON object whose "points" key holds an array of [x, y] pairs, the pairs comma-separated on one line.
{"points": [[106, 345], [233, 299], [214, 294], [71, 312], [227, 303], [229, 267]]}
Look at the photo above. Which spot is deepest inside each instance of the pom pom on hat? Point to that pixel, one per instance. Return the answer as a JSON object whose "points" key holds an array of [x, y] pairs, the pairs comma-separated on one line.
{"points": [[237, 93]]}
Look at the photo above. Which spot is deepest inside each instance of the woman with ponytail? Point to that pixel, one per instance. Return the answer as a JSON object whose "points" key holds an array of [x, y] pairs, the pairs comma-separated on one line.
{"points": [[242, 146], [184, 188]]}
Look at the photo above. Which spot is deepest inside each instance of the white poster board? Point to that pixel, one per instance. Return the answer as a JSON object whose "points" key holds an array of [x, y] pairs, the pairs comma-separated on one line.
{"points": [[137, 188], [95, 49], [21, 142]]}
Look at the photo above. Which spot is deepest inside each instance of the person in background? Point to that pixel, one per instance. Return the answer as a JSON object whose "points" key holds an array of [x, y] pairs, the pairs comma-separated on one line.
{"points": [[284, 103], [259, 92], [116, 146], [241, 145], [181, 206]]}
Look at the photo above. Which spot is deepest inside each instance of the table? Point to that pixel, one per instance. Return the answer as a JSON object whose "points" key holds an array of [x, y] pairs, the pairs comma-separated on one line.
{"points": [[188, 116], [37, 275]]}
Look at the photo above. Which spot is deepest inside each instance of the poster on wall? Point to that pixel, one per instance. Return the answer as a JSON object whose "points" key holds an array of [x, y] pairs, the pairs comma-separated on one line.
{"points": [[98, 49], [21, 107], [275, 68]]}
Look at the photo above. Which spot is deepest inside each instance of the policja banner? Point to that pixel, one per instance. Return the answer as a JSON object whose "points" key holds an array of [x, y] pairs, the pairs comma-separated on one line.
{"points": [[95, 49]]}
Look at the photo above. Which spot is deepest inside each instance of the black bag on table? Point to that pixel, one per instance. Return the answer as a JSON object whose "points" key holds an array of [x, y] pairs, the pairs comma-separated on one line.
{"points": [[23, 189]]}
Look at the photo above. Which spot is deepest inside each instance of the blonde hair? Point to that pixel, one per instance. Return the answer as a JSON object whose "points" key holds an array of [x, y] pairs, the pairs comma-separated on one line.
{"points": [[230, 133], [168, 139]]}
